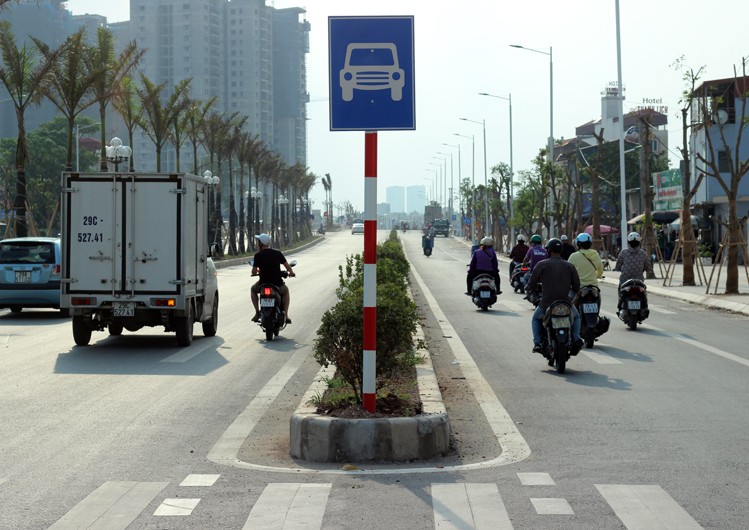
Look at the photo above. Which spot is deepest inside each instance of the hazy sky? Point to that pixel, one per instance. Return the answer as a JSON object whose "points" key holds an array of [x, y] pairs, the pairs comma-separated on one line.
{"points": [[463, 48]]}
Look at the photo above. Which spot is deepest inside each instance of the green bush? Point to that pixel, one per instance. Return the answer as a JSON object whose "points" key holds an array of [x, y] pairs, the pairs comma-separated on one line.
{"points": [[340, 336]]}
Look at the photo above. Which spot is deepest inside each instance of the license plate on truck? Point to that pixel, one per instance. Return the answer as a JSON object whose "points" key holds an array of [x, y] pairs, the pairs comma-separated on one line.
{"points": [[123, 309]]}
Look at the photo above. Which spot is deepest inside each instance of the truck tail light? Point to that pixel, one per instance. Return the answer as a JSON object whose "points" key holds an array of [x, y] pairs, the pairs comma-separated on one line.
{"points": [[164, 302], [81, 300]]}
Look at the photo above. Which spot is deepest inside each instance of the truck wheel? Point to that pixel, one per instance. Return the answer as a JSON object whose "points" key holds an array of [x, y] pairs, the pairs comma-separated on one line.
{"points": [[81, 332], [115, 328], [183, 327], [210, 326]]}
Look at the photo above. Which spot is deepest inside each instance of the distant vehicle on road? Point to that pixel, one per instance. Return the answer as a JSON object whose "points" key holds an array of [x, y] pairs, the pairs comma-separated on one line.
{"points": [[30, 273], [357, 227], [441, 227]]}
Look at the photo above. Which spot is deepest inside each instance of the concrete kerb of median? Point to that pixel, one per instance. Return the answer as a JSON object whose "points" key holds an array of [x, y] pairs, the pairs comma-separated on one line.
{"points": [[223, 263], [318, 438]]}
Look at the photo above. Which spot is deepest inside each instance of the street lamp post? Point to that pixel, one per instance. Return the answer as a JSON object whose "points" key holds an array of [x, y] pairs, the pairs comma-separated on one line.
{"points": [[452, 189], [486, 181], [255, 195], [473, 185], [512, 172], [118, 153], [78, 130], [620, 112], [551, 128]]}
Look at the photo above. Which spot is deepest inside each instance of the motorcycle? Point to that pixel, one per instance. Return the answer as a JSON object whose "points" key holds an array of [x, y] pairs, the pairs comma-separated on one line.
{"points": [[516, 277], [484, 291], [556, 340], [633, 303], [592, 325], [272, 316], [321, 230], [427, 243]]}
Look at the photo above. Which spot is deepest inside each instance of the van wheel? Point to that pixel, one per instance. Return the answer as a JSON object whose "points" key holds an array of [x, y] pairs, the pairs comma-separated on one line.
{"points": [[183, 327], [81, 331], [211, 326]]}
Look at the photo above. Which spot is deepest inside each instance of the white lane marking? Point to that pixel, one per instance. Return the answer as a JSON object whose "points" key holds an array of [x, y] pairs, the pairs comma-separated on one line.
{"points": [[515, 306], [112, 506], [659, 309], [195, 479], [179, 507], [463, 506], [536, 479], [514, 447], [646, 507], [289, 507], [600, 357], [553, 506], [188, 353], [227, 447]]}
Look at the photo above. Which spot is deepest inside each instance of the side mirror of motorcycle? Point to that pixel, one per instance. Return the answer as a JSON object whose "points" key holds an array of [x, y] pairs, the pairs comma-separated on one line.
{"points": [[293, 263]]}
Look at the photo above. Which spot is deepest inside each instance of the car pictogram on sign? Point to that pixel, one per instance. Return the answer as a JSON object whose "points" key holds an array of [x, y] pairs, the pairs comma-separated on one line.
{"points": [[371, 66]]}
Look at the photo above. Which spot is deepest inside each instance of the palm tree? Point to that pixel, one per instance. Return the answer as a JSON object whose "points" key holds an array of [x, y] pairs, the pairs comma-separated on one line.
{"points": [[326, 187], [256, 158], [24, 73], [127, 104], [158, 117], [233, 137], [194, 122], [246, 143], [112, 72], [71, 86]]}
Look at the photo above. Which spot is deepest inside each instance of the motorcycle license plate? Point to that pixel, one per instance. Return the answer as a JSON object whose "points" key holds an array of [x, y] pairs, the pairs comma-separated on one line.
{"points": [[634, 304], [123, 309], [560, 322], [485, 294], [590, 308], [267, 302]]}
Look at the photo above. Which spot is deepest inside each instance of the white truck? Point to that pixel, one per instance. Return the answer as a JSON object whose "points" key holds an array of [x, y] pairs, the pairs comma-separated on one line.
{"points": [[135, 253]]}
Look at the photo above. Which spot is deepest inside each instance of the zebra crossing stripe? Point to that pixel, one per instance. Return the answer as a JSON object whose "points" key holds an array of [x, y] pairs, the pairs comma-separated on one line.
{"points": [[289, 507], [176, 507], [112, 506], [554, 506], [646, 508], [461, 506]]}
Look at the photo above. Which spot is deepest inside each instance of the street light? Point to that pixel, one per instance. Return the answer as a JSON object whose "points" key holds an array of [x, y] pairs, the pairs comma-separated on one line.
{"points": [[256, 195], [452, 189], [432, 180], [118, 153], [78, 130], [551, 127], [486, 181], [443, 178], [512, 173], [448, 199], [472, 138], [282, 201]]}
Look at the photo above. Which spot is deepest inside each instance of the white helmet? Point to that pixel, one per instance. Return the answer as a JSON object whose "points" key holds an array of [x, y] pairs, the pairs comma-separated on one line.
{"points": [[563, 238], [633, 236], [264, 239], [487, 241], [521, 238]]}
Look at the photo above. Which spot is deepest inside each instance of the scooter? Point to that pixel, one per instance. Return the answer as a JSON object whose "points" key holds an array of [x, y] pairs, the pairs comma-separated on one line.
{"points": [[427, 243], [516, 277], [633, 303], [592, 325], [484, 291], [272, 316], [557, 339]]}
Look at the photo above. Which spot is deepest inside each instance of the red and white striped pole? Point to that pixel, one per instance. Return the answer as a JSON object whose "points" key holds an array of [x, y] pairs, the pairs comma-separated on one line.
{"points": [[369, 396]]}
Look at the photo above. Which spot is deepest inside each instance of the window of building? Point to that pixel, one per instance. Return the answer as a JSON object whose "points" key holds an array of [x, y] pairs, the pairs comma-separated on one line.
{"points": [[723, 165]]}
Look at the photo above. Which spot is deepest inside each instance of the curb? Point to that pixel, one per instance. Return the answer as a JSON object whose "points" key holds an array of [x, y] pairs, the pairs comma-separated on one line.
{"points": [[221, 264], [318, 438]]}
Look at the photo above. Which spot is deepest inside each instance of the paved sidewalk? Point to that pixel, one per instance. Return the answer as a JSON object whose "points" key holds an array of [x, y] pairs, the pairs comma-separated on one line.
{"points": [[697, 294]]}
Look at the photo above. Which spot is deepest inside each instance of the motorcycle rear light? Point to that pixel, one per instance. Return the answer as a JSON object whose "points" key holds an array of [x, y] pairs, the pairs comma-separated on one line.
{"points": [[267, 291]]}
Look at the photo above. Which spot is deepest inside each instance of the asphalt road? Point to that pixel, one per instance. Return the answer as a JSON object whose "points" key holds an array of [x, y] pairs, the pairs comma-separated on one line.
{"points": [[649, 426]]}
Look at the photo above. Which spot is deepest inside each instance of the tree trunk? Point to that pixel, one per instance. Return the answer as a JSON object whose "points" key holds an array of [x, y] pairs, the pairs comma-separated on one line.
{"points": [[734, 240]]}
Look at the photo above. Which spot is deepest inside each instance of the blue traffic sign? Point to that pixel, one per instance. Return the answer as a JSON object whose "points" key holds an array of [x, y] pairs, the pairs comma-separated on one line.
{"points": [[371, 62]]}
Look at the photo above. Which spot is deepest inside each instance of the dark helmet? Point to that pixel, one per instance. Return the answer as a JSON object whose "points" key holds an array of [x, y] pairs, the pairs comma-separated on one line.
{"points": [[554, 245]]}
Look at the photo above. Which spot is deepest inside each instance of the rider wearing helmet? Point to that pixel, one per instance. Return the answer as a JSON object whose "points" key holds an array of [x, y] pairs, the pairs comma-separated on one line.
{"points": [[587, 261], [557, 278], [535, 254], [632, 262], [518, 252], [484, 260], [267, 264], [567, 248]]}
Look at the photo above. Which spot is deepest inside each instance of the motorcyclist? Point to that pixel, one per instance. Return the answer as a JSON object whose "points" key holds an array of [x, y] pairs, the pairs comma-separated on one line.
{"points": [[535, 254], [587, 261], [518, 252], [427, 239], [557, 278], [632, 262], [267, 264], [483, 261], [567, 248]]}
